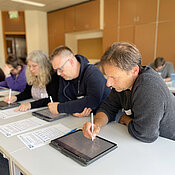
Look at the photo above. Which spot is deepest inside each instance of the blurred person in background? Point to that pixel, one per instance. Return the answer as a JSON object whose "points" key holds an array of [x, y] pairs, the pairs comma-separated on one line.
{"points": [[14, 71], [165, 69], [41, 82]]}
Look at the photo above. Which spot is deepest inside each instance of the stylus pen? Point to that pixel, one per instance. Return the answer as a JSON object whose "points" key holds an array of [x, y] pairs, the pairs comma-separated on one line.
{"points": [[71, 131], [51, 99], [10, 93], [92, 122]]}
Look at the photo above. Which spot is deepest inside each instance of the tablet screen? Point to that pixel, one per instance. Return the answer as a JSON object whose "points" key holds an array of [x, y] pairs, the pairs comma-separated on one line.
{"points": [[45, 113], [4, 105], [83, 147]]}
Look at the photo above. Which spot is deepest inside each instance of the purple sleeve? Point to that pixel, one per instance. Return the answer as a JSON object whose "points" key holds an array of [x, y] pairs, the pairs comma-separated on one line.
{"points": [[3, 84], [19, 83]]}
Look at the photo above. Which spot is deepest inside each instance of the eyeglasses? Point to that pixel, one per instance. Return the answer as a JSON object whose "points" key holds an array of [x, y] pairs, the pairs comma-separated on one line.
{"points": [[60, 70]]}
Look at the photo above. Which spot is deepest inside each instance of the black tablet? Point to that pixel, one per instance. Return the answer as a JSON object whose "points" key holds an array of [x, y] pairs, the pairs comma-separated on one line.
{"points": [[4, 105], [45, 114], [81, 149]]}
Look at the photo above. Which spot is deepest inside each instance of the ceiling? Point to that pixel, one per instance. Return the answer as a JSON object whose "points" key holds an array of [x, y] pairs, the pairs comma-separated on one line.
{"points": [[51, 5]]}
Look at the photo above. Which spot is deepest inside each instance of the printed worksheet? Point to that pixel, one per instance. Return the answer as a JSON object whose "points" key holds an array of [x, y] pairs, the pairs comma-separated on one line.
{"points": [[21, 126], [8, 113], [43, 136]]}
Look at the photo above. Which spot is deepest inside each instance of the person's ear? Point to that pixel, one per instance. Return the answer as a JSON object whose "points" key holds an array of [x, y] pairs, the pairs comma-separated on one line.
{"points": [[135, 70]]}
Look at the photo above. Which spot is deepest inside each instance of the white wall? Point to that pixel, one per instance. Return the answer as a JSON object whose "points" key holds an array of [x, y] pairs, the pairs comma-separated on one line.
{"points": [[2, 56], [36, 31]]}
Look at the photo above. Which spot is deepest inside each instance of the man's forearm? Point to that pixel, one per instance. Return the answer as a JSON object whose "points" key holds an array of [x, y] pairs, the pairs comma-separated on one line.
{"points": [[167, 79], [101, 119]]}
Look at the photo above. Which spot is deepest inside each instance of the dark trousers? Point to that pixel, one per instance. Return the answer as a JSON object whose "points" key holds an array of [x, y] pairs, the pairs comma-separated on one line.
{"points": [[4, 166]]}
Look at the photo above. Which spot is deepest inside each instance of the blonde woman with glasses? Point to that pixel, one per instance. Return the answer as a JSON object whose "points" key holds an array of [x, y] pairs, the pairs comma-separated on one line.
{"points": [[40, 82]]}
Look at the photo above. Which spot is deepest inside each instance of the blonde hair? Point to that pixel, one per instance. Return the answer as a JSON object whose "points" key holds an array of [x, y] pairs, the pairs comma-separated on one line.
{"points": [[45, 69]]}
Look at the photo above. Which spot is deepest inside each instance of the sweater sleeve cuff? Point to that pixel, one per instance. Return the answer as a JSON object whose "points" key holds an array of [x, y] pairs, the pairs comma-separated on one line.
{"points": [[110, 119]]}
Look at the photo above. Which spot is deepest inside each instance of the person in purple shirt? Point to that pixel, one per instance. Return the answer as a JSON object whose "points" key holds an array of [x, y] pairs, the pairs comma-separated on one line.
{"points": [[14, 71]]}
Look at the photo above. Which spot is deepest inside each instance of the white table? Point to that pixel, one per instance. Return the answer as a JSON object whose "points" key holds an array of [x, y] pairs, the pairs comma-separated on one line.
{"points": [[131, 157], [11, 145]]}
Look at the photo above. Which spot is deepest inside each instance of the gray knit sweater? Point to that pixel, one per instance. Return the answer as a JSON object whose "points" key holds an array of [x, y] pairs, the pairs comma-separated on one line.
{"points": [[152, 106]]}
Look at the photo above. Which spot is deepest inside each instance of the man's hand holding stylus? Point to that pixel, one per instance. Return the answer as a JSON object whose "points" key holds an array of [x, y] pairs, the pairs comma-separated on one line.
{"points": [[87, 130]]}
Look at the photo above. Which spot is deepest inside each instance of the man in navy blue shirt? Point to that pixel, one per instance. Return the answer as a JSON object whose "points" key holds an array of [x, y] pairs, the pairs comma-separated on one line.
{"points": [[82, 87]]}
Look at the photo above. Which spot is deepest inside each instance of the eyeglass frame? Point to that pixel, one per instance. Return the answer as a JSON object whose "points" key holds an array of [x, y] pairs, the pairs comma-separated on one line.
{"points": [[60, 69]]}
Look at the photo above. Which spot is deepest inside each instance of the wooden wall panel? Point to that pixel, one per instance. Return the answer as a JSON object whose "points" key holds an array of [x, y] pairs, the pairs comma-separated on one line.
{"points": [[127, 34], [87, 16], [167, 10], [110, 14], [55, 29], [145, 41], [137, 11], [69, 19], [109, 37], [13, 25], [146, 10], [90, 48], [166, 41], [127, 12]]}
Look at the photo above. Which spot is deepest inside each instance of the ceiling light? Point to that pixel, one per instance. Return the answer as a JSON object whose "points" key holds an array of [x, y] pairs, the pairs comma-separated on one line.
{"points": [[29, 2]]}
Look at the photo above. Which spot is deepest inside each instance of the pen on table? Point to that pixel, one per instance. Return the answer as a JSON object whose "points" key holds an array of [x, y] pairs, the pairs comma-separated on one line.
{"points": [[71, 131], [51, 99], [10, 93], [92, 122]]}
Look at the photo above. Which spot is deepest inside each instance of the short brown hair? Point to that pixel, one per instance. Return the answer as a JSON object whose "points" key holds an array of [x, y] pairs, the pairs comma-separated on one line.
{"points": [[123, 55], [14, 61], [159, 61]]}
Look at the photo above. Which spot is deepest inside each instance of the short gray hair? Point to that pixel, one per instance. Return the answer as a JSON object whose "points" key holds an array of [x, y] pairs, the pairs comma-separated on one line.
{"points": [[62, 51], [122, 55]]}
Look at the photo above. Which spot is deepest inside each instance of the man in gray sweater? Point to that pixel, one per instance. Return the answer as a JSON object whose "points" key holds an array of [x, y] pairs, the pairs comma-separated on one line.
{"points": [[139, 98], [165, 69]]}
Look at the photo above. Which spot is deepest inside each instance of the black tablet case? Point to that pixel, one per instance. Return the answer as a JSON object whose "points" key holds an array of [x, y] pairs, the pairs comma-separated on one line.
{"points": [[45, 114], [85, 143], [4, 105]]}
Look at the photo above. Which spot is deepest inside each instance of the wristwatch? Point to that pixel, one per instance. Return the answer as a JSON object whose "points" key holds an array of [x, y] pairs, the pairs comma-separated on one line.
{"points": [[7, 75]]}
